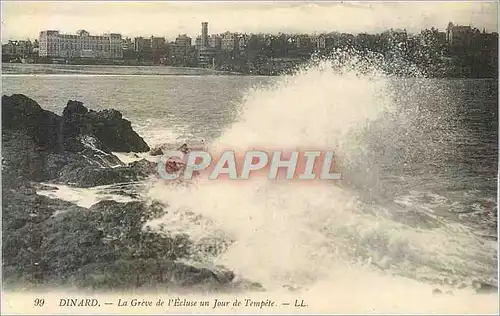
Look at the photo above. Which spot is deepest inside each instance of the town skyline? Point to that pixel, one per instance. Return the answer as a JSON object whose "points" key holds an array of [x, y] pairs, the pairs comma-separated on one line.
{"points": [[185, 18]]}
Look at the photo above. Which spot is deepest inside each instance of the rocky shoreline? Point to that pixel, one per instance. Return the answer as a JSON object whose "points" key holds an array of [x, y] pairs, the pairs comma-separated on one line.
{"points": [[48, 241]]}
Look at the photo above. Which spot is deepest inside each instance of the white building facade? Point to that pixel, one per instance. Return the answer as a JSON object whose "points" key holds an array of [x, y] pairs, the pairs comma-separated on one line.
{"points": [[84, 45]]}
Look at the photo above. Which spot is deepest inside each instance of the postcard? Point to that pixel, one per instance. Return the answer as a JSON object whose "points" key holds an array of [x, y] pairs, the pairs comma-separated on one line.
{"points": [[179, 157]]}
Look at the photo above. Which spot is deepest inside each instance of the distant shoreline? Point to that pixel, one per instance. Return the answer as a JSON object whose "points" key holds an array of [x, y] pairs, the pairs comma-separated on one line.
{"points": [[55, 67], [201, 71]]}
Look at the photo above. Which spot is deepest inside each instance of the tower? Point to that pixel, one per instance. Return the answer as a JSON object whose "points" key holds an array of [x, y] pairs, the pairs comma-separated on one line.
{"points": [[204, 34]]}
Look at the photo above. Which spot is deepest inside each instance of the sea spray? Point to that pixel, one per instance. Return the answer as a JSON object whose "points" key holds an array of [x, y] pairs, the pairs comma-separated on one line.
{"points": [[325, 238]]}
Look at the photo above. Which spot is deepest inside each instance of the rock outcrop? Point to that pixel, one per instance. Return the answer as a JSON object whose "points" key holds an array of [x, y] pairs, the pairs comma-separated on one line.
{"points": [[75, 148], [108, 126], [51, 241], [82, 175], [156, 151], [20, 113], [54, 133]]}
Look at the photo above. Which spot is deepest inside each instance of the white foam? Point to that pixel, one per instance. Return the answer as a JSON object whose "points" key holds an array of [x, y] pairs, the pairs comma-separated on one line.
{"points": [[84, 197], [317, 236]]}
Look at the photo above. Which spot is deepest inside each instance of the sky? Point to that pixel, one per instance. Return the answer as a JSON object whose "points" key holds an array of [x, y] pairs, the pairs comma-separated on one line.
{"points": [[25, 19]]}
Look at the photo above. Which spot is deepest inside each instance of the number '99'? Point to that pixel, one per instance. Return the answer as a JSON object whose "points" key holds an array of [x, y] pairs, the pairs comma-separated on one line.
{"points": [[39, 302]]}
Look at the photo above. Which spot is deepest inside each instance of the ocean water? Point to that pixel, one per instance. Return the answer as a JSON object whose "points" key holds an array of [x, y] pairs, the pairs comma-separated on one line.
{"points": [[416, 208]]}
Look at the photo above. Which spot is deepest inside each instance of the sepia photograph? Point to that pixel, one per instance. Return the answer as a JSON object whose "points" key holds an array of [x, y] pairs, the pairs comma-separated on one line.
{"points": [[249, 157]]}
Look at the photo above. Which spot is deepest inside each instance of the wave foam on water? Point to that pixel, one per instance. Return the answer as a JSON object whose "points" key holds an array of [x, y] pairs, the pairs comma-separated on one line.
{"points": [[325, 238]]}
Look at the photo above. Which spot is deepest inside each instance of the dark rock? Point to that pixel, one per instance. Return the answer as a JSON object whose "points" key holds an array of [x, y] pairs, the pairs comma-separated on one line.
{"points": [[124, 189], [23, 216], [184, 149], [39, 145], [63, 238], [122, 274], [186, 275], [74, 108], [157, 151], [57, 164], [20, 161], [247, 285], [115, 132], [89, 176], [49, 241], [124, 193], [82, 175], [73, 125], [24, 114], [484, 288], [52, 132], [143, 166]]}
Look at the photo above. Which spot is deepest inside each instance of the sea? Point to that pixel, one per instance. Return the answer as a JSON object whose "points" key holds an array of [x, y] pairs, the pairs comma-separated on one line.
{"points": [[416, 208]]}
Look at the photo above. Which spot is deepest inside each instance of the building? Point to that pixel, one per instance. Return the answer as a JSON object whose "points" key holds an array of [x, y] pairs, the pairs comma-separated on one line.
{"points": [[321, 43], [158, 48], [215, 42], [302, 41], [127, 44], [9, 48], [228, 41], [18, 48], [181, 52], [198, 43], [332, 41], [457, 35], [183, 42], [157, 43], [181, 46], [316, 42], [204, 34], [142, 44], [206, 57], [54, 44], [242, 42], [49, 43]]}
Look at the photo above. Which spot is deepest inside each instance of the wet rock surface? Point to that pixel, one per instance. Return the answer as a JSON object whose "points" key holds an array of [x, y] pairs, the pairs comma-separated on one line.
{"points": [[75, 148], [106, 246]]}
